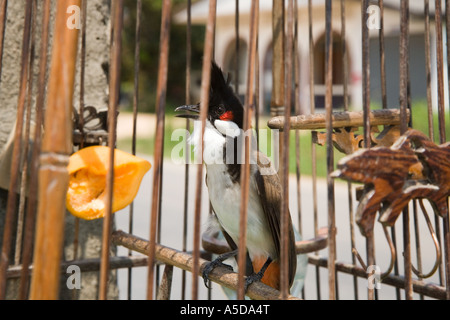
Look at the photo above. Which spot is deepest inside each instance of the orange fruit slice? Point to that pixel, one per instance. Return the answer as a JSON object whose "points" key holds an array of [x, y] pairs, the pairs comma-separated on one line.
{"points": [[88, 169]]}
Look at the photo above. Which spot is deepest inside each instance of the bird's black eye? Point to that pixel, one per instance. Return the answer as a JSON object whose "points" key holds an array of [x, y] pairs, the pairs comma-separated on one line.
{"points": [[220, 110]]}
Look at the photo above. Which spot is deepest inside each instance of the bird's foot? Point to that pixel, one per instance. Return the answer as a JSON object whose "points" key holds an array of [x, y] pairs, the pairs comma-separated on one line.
{"points": [[216, 263], [255, 277]]}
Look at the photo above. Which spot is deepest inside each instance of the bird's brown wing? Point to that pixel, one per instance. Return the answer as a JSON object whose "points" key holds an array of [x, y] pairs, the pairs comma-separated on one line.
{"points": [[269, 187]]}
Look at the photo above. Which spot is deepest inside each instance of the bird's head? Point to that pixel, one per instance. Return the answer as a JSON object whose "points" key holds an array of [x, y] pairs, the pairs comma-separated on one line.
{"points": [[225, 110]]}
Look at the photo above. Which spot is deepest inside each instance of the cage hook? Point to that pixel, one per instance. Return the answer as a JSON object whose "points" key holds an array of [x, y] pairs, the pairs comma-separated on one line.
{"points": [[436, 245], [393, 256]]}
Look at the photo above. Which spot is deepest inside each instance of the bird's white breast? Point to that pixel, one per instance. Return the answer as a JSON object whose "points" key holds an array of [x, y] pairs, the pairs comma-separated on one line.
{"points": [[225, 199], [225, 195]]}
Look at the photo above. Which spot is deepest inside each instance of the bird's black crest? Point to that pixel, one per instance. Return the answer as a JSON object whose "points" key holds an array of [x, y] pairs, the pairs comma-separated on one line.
{"points": [[222, 93]]}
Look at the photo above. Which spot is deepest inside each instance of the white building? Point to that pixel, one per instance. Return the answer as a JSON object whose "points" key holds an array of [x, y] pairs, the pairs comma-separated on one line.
{"points": [[225, 48]]}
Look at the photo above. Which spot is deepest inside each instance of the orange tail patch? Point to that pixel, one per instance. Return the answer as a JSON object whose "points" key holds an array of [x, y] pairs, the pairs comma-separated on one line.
{"points": [[272, 275]]}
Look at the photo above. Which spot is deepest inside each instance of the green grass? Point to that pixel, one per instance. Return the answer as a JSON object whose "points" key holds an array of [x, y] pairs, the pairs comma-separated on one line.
{"points": [[419, 121]]}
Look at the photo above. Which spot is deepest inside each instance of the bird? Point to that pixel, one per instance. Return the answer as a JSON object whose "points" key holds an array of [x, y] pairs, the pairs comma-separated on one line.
{"points": [[223, 138]]}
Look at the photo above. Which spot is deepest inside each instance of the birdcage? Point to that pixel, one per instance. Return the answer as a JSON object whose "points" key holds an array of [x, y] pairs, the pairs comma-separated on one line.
{"points": [[349, 98]]}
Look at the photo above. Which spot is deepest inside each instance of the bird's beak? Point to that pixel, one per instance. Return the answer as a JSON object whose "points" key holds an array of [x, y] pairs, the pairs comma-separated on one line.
{"points": [[191, 108]]}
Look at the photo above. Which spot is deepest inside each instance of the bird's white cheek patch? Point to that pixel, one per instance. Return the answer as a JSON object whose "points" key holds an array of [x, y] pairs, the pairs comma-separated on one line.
{"points": [[228, 128]]}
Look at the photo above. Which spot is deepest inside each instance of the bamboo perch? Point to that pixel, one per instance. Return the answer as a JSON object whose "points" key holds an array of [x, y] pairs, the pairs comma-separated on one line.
{"points": [[56, 148], [340, 120], [183, 260]]}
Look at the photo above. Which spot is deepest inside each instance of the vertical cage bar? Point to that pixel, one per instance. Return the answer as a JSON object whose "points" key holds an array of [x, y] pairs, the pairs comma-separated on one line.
{"points": [[114, 89], [245, 166], [330, 157], [81, 112], [313, 145], [11, 203], [82, 78], [186, 168], [278, 72], [159, 136], [286, 139], [385, 106], [442, 137], [34, 167], [346, 105], [447, 34], [284, 246], [366, 114], [26, 142], [344, 54], [366, 73], [417, 242], [428, 68], [382, 56], [297, 111], [440, 70], [3, 7], [237, 46], [56, 148], [204, 102], [404, 61], [137, 51], [277, 100]]}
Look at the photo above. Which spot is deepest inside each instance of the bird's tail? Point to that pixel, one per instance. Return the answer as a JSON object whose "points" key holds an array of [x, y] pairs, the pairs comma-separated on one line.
{"points": [[272, 275]]}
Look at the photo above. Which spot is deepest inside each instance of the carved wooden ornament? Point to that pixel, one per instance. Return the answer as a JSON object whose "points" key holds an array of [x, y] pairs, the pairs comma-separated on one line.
{"points": [[413, 167]]}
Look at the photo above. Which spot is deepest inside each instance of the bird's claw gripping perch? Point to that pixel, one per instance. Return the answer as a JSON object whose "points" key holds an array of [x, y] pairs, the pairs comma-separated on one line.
{"points": [[217, 262]]}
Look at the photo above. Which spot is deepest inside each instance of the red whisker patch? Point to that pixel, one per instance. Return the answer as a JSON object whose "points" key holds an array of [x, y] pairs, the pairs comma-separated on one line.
{"points": [[227, 116]]}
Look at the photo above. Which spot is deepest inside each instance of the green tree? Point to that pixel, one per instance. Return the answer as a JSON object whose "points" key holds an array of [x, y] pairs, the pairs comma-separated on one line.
{"points": [[149, 55]]}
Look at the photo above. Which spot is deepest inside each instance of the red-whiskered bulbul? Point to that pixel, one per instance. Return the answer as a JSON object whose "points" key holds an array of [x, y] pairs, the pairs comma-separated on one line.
{"points": [[222, 144]]}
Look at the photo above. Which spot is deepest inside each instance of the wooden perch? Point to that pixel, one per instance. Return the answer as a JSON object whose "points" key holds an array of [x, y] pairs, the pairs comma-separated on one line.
{"points": [[340, 120], [183, 260]]}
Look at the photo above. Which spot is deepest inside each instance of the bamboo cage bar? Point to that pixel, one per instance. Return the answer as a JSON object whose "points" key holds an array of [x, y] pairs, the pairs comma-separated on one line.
{"points": [[186, 167], [441, 128], [34, 164], [313, 145], [3, 6], [160, 111], [56, 148], [246, 147], [204, 102], [114, 89], [137, 50], [330, 156]]}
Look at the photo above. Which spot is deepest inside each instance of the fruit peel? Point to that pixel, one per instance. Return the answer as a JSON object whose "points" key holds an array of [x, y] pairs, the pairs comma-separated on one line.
{"points": [[88, 169]]}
